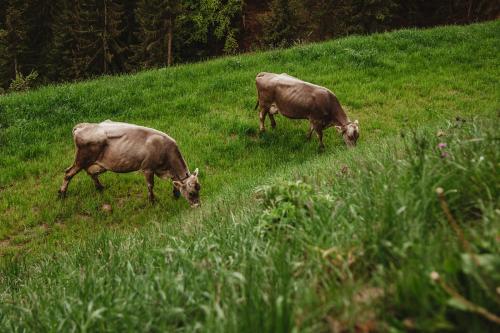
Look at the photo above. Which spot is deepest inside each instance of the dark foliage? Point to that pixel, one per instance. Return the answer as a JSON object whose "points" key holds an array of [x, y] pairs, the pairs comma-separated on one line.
{"points": [[66, 40]]}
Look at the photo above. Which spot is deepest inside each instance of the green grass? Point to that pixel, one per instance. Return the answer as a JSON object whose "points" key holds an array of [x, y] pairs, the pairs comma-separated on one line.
{"points": [[350, 249]]}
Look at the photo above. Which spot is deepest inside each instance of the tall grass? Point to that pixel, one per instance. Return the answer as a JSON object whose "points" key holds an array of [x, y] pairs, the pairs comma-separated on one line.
{"points": [[288, 238], [351, 247]]}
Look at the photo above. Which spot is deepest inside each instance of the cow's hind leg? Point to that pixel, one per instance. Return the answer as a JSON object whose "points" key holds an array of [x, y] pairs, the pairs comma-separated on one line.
{"points": [[69, 173], [319, 131], [150, 180], [273, 122], [262, 118], [94, 171]]}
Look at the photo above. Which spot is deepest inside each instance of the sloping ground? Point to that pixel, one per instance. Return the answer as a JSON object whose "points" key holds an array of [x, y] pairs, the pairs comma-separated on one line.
{"points": [[356, 257]]}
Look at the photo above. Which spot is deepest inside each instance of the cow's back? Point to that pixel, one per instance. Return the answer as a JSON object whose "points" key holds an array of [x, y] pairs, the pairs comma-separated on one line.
{"points": [[122, 147], [87, 133], [301, 100]]}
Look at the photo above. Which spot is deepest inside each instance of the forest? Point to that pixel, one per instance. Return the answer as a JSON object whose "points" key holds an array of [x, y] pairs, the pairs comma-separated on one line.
{"points": [[44, 41]]}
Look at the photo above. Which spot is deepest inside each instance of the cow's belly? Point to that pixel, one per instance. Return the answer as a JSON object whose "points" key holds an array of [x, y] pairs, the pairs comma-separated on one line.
{"points": [[121, 166], [294, 114], [293, 111], [123, 156]]}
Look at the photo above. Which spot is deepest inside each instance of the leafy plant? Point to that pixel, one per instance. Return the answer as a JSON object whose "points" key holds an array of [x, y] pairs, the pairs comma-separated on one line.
{"points": [[23, 83]]}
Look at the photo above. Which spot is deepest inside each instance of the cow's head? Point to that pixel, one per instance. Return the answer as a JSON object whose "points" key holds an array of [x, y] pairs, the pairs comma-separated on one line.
{"points": [[350, 133], [190, 189]]}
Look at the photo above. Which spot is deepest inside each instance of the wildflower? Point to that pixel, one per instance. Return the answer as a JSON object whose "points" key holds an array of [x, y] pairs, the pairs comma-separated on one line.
{"points": [[434, 276], [442, 145], [444, 154]]}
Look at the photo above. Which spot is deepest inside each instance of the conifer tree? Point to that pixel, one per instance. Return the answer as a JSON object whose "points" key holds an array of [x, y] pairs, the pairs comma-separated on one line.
{"points": [[208, 27], [156, 21], [283, 25], [225, 18], [63, 47], [369, 16], [73, 39], [327, 18], [40, 36], [13, 40], [98, 45], [5, 72]]}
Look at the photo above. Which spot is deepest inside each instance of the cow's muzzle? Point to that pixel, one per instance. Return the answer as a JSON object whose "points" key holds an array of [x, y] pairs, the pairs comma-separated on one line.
{"points": [[195, 204]]}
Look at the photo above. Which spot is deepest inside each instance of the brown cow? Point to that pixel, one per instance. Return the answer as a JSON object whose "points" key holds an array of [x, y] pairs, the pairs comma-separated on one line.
{"points": [[297, 99], [121, 147]]}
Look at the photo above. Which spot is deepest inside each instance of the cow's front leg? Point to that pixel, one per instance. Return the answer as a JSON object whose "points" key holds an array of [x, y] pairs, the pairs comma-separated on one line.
{"points": [[273, 122], [150, 180], [310, 132], [69, 173], [94, 171], [319, 131], [262, 118]]}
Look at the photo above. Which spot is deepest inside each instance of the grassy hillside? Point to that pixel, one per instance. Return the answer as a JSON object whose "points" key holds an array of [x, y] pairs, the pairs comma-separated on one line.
{"points": [[349, 247]]}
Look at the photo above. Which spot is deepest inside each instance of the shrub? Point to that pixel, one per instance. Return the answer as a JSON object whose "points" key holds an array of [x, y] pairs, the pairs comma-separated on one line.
{"points": [[23, 83]]}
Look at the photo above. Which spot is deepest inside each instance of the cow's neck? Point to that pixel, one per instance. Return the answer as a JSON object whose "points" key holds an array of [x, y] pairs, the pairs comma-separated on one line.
{"points": [[340, 117], [178, 166]]}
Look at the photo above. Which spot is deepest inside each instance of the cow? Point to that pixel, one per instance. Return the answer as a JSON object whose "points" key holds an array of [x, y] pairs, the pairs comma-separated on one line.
{"points": [[121, 148], [296, 99]]}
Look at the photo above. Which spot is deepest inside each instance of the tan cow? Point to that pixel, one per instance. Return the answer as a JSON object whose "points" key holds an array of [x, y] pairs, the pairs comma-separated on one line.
{"points": [[297, 99], [121, 147]]}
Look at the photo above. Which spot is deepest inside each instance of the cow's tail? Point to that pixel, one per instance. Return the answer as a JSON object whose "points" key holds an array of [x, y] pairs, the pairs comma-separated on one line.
{"points": [[256, 105]]}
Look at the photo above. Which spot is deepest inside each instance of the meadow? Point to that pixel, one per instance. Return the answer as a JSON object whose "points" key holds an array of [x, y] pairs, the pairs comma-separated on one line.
{"points": [[288, 238]]}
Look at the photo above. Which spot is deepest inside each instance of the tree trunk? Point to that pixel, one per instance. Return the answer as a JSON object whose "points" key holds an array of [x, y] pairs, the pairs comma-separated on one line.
{"points": [[105, 38], [169, 42], [16, 70]]}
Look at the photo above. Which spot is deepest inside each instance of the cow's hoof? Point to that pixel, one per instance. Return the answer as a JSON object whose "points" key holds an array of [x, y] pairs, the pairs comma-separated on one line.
{"points": [[61, 194], [152, 200], [99, 188]]}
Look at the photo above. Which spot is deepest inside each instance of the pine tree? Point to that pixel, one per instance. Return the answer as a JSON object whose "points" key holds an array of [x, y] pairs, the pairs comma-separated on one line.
{"points": [[371, 16], [62, 66], [420, 13], [283, 25], [328, 18], [156, 24], [5, 72], [97, 37], [13, 40], [207, 27], [40, 17], [226, 19]]}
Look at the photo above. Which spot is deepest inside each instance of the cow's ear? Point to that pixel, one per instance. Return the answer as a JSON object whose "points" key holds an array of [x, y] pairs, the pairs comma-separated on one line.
{"points": [[177, 184], [339, 129], [195, 173]]}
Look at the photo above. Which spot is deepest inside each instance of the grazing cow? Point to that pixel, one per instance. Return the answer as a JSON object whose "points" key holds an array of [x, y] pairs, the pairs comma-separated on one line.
{"points": [[297, 99], [121, 147]]}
